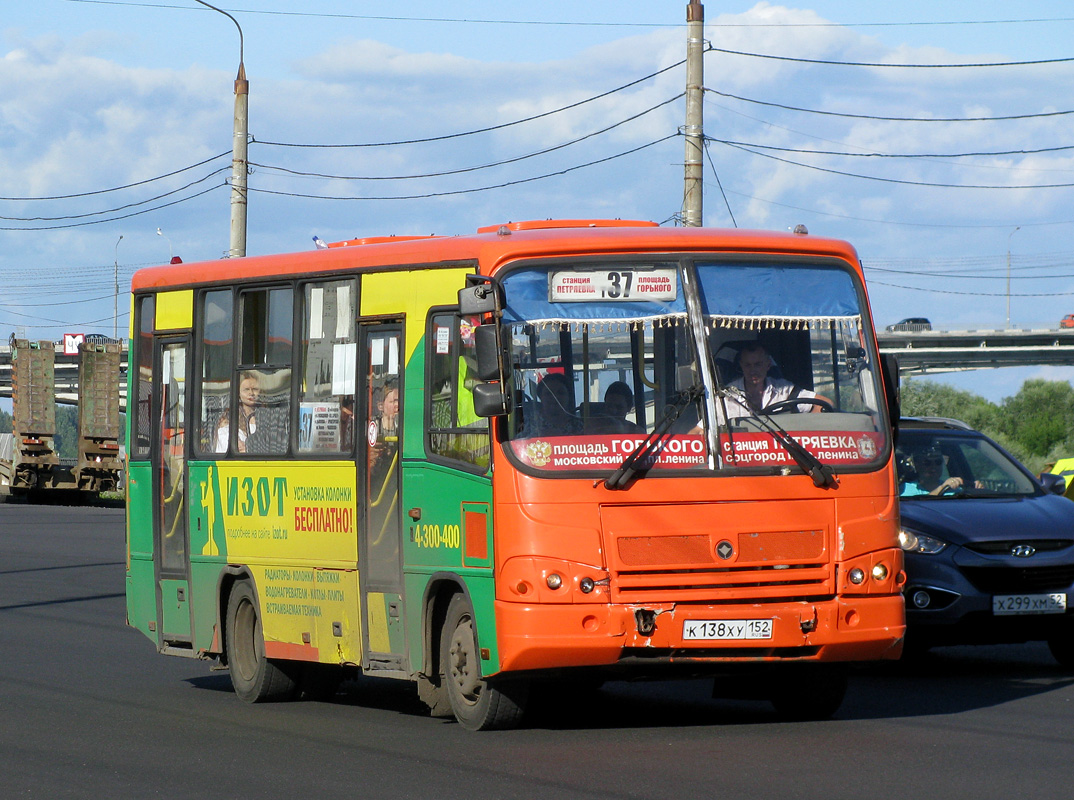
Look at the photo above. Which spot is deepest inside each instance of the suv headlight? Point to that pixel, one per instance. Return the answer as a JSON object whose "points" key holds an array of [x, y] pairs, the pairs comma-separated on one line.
{"points": [[920, 543]]}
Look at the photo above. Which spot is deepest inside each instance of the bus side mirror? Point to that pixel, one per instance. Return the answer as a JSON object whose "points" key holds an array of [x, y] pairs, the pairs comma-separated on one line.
{"points": [[493, 367], [489, 352], [890, 365], [490, 400], [477, 299]]}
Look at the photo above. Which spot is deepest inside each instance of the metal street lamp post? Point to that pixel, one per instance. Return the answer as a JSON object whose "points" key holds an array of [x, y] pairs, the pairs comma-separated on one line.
{"points": [[240, 138], [1009, 274], [115, 298]]}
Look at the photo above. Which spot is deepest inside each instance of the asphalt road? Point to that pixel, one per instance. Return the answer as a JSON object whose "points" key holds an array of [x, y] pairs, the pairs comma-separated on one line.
{"points": [[88, 709]]}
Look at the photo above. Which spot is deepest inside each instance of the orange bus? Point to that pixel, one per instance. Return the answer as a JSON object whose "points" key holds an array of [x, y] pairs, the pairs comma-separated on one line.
{"points": [[491, 464]]}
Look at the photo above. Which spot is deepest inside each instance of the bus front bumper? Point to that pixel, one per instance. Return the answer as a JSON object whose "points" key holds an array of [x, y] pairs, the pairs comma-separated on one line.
{"points": [[558, 636]]}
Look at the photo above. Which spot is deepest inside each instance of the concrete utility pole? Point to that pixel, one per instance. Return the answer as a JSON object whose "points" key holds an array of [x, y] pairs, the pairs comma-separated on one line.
{"points": [[695, 89], [239, 163]]}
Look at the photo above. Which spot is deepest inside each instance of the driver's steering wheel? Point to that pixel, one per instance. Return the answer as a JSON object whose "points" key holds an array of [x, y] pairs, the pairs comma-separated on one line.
{"points": [[786, 405]]}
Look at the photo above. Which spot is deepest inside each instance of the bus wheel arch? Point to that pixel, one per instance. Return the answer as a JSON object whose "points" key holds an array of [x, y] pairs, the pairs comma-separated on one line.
{"points": [[228, 577], [438, 593], [255, 678], [478, 704]]}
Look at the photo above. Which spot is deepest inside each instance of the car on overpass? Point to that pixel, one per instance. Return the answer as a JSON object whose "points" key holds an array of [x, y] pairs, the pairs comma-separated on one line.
{"points": [[1067, 321], [910, 324], [989, 548]]}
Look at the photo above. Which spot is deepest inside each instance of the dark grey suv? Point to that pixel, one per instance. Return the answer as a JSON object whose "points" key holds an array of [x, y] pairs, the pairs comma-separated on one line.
{"points": [[989, 548], [910, 324]]}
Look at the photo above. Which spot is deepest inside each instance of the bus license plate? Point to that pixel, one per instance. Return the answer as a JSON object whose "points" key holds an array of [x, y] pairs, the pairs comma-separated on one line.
{"points": [[727, 629], [1007, 605]]}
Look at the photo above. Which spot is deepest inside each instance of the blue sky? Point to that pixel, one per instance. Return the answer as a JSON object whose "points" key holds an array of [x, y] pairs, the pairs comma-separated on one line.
{"points": [[96, 95]]}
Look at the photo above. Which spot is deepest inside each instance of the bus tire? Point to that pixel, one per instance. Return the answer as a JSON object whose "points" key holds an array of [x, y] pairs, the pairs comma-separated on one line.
{"points": [[812, 692], [255, 678], [478, 705]]}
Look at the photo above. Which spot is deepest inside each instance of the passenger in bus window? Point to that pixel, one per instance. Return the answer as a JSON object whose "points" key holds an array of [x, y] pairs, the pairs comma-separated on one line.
{"points": [[249, 399], [384, 449], [388, 409], [618, 402], [554, 413], [763, 390]]}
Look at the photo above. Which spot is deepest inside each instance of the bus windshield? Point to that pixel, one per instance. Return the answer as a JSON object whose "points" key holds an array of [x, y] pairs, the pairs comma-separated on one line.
{"points": [[740, 351]]}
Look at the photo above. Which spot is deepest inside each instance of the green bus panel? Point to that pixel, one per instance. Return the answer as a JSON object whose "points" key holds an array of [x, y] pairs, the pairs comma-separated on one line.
{"points": [[141, 596], [204, 579], [140, 509], [175, 608]]}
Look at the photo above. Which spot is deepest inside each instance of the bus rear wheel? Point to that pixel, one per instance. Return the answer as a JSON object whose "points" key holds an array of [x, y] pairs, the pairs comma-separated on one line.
{"points": [[478, 705], [255, 678]]}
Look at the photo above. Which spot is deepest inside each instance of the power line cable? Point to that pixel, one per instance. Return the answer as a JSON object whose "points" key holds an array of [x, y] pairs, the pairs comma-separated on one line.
{"points": [[481, 130], [600, 24], [889, 119], [116, 219], [473, 190], [118, 188], [475, 168], [719, 183], [890, 65], [972, 294], [900, 181], [1035, 151], [119, 208], [903, 223]]}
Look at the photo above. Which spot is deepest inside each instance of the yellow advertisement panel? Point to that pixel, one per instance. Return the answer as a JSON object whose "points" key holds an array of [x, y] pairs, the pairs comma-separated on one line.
{"points": [[295, 526]]}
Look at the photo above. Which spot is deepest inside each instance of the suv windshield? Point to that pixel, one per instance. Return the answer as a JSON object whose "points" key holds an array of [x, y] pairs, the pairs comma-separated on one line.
{"points": [[934, 463], [600, 351]]}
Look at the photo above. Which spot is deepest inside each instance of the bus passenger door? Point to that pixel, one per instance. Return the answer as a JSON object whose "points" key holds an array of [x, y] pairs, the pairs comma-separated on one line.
{"points": [[380, 565], [171, 546]]}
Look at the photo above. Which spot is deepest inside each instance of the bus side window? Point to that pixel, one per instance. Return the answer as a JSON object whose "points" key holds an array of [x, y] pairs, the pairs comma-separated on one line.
{"points": [[455, 431], [217, 363], [326, 370], [265, 334], [143, 419]]}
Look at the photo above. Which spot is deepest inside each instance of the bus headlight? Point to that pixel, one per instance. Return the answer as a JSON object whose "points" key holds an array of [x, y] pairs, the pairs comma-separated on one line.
{"points": [[856, 576]]}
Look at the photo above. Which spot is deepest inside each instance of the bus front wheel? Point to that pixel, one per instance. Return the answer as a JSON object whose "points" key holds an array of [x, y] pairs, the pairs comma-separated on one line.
{"points": [[478, 704], [255, 678]]}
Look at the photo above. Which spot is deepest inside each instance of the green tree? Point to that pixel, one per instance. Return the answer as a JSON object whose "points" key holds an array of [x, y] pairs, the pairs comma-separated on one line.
{"points": [[1040, 416], [6, 422], [1036, 425], [66, 440], [922, 398]]}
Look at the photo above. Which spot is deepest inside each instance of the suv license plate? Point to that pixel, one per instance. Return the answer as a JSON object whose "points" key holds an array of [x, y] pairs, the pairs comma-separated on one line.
{"points": [[727, 629], [1008, 605]]}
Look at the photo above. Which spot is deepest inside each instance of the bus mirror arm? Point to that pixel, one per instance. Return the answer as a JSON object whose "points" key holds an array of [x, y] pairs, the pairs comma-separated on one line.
{"points": [[482, 295]]}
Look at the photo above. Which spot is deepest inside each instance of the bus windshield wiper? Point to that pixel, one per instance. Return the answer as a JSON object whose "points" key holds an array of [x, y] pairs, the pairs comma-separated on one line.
{"points": [[637, 460], [821, 473]]}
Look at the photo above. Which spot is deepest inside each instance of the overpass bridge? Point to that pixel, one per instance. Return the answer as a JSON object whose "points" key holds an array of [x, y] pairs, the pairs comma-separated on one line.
{"points": [[919, 353], [935, 351]]}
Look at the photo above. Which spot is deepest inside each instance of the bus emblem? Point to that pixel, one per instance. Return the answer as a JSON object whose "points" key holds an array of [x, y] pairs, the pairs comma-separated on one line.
{"points": [[725, 550]]}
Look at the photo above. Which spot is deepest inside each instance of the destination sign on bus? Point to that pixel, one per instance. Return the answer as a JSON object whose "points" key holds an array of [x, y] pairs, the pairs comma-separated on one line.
{"points": [[569, 286], [831, 447]]}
